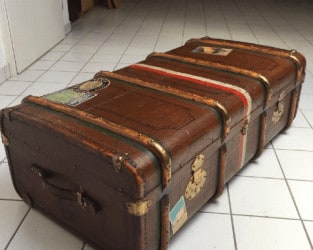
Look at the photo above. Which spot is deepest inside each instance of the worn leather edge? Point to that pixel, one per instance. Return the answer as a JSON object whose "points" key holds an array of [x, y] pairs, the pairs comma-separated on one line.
{"points": [[221, 172], [165, 222]]}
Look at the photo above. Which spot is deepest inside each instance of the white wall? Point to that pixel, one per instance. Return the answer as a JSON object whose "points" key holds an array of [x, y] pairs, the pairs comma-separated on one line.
{"points": [[3, 65], [7, 52], [2, 59]]}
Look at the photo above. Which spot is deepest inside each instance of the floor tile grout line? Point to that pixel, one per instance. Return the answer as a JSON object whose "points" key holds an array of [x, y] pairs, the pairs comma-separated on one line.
{"points": [[18, 227], [269, 25], [135, 33], [272, 178], [204, 16], [106, 39], [184, 25], [6, 199], [209, 212], [267, 217], [117, 26], [231, 217], [295, 29], [297, 150], [306, 119], [247, 23], [293, 199], [162, 25], [300, 180], [260, 177], [254, 216], [225, 19], [86, 34]]}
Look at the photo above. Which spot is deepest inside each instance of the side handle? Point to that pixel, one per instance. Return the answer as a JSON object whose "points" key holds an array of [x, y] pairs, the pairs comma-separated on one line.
{"points": [[83, 200]]}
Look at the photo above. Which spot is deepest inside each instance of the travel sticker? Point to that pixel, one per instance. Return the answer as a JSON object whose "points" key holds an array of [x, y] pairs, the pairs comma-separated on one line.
{"points": [[212, 51], [69, 97], [178, 215], [79, 93]]}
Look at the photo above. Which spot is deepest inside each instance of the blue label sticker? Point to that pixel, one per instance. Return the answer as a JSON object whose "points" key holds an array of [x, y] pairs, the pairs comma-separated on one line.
{"points": [[178, 215]]}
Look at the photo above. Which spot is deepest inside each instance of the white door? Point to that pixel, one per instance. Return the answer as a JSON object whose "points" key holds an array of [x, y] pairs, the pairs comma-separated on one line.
{"points": [[35, 27]]}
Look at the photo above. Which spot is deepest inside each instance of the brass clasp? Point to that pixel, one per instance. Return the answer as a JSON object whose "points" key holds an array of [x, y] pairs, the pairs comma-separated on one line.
{"points": [[278, 113], [197, 179], [138, 208]]}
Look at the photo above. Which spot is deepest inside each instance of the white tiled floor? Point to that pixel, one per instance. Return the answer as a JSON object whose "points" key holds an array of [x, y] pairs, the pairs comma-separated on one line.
{"points": [[269, 204]]}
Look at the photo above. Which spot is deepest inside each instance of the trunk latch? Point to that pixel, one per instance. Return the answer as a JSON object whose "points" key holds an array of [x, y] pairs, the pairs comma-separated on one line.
{"points": [[197, 179], [280, 108]]}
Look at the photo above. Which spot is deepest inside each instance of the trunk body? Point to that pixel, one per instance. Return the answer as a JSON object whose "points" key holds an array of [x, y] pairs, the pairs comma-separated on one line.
{"points": [[124, 160]]}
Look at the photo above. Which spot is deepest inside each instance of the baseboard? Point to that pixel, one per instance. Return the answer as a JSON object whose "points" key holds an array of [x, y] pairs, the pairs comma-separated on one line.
{"points": [[67, 28], [4, 73]]}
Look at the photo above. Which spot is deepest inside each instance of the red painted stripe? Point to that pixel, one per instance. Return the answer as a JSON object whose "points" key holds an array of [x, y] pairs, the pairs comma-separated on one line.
{"points": [[190, 79]]}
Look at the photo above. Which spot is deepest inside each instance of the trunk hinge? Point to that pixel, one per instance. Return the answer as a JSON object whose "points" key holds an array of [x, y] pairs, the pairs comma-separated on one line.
{"points": [[138, 208]]}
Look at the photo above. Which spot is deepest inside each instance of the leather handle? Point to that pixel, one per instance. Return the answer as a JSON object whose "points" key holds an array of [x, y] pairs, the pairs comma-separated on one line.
{"points": [[84, 202]]}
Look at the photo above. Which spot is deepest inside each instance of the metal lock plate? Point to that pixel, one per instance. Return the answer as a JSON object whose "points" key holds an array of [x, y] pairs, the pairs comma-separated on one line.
{"points": [[197, 179], [278, 113]]}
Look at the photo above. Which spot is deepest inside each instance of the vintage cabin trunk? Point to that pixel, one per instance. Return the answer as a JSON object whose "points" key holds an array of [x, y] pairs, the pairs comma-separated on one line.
{"points": [[125, 159]]}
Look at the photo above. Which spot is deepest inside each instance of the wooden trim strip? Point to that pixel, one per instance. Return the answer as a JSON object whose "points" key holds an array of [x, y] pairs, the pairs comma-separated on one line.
{"points": [[221, 171], [300, 68], [186, 95], [165, 223], [287, 54], [262, 134], [146, 141], [293, 105], [218, 66]]}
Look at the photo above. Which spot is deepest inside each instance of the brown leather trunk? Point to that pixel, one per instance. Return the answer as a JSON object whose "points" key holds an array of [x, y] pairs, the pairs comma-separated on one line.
{"points": [[125, 159]]}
